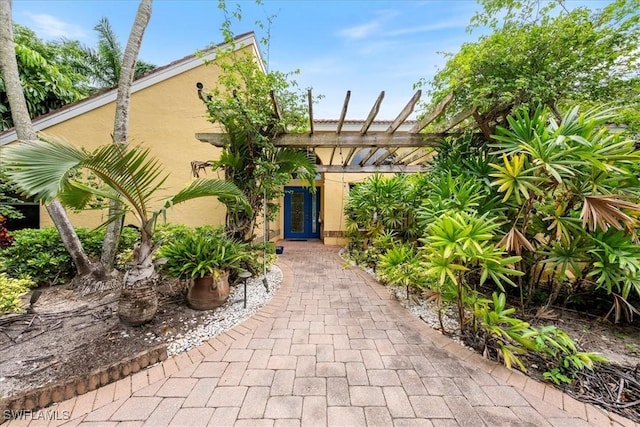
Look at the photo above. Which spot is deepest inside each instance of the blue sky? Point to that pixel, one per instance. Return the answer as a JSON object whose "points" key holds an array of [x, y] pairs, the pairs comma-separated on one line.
{"points": [[357, 45]]}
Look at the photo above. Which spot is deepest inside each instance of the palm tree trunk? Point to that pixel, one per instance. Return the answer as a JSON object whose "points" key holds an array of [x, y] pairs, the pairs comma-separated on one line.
{"points": [[138, 302], [121, 121], [25, 131], [70, 240]]}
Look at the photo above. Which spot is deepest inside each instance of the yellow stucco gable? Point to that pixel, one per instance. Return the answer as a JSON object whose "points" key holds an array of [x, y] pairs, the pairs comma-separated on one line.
{"points": [[165, 114]]}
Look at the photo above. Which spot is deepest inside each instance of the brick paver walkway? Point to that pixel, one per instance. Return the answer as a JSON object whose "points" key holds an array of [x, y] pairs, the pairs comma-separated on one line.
{"points": [[331, 348]]}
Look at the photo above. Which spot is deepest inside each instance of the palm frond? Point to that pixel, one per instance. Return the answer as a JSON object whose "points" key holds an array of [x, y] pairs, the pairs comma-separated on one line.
{"points": [[41, 168], [109, 51], [294, 161], [224, 190], [604, 211], [514, 241], [621, 307], [76, 196], [133, 173]]}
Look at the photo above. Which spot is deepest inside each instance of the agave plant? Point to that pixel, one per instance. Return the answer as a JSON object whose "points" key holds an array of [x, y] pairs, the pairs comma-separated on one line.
{"points": [[48, 168]]}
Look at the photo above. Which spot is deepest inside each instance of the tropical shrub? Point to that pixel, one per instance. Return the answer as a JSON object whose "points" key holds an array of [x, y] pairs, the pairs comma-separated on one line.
{"points": [[201, 252], [501, 331], [380, 211], [460, 253], [10, 292], [257, 253], [167, 233], [570, 189], [8, 194], [6, 239], [400, 265], [512, 339], [458, 180], [40, 254]]}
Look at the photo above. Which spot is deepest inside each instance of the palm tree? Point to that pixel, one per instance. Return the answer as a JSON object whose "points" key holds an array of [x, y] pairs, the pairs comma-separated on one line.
{"points": [[43, 169], [106, 61], [124, 79], [24, 129]]}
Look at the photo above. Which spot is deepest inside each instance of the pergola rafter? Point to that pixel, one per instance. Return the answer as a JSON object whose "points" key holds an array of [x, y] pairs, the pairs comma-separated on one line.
{"points": [[374, 146]]}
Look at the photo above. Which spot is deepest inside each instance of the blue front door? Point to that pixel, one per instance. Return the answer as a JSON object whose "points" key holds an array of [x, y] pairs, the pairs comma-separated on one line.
{"points": [[301, 209]]}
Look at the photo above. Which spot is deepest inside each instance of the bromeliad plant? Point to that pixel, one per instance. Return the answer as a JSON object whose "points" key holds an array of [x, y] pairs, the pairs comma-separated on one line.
{"points": [[45, 169]]}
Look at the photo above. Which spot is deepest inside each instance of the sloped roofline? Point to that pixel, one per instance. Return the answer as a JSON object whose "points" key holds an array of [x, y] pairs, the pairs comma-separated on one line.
{"points": [[151, 78]]}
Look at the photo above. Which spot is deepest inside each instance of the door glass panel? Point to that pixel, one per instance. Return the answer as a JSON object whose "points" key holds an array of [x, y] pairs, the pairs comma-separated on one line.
{"points": [[314, 214], [297, 212]]}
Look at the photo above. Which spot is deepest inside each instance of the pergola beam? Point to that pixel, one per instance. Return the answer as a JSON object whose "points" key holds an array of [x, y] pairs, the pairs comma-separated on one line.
{"points": [[343, 115], [457, 119], [370, 168], [406, 111], [391, 151], [345, 139], [372, 114], [276, 107], [347, 159], [372, 151], [310, 99], [384, 156], [408, 154], [424, 122], [417, 158]]}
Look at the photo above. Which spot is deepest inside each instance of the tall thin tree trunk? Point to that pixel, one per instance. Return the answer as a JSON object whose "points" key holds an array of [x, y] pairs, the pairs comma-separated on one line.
{"points": [[121, 122], [25, 131]]}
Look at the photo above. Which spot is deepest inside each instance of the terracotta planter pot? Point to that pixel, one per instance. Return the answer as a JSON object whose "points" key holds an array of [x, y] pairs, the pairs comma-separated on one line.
{"points": [[208, 292], [138, 306]]}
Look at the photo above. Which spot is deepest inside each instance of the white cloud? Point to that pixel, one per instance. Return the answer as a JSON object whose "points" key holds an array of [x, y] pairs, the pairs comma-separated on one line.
{"points": [[377, 47], [327, 65], [442, 25], [360, 31], [368, 29], [50, 27]]}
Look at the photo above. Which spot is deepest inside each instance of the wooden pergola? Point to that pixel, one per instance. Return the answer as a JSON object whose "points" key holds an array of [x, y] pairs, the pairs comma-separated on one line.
{"points": [[400, 147]]}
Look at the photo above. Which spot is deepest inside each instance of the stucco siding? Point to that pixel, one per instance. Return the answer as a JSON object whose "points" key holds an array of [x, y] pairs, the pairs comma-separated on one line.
{"points": [[165, 117]]}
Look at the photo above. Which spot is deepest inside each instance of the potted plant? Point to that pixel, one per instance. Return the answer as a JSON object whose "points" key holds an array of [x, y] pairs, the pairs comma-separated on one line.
{"points": [[46, 169], [205, 256]]}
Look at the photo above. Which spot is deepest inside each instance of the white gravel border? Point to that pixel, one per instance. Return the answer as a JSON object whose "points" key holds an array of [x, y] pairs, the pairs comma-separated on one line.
{"points": [[418, 306], [230, 313]]}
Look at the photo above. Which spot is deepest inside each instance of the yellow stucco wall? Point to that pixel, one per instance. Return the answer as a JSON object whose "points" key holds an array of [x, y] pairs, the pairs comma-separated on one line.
{"points": [[334, 198], [165, 117]]}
